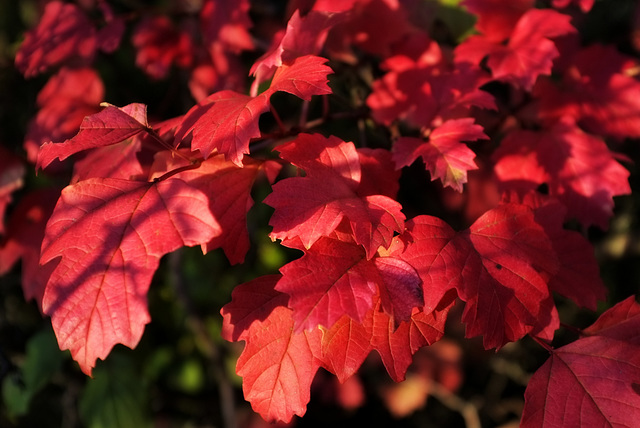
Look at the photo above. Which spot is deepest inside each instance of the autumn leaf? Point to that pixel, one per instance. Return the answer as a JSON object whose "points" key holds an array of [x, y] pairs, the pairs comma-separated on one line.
{"points": [[335, 278], [313, 206], [444, 154], [347, 343], [110, 126], [229, 189], [578, 168], [225, 122], [277, 365], [593, 379], [63, 32], [528, 53], [109, 236]]}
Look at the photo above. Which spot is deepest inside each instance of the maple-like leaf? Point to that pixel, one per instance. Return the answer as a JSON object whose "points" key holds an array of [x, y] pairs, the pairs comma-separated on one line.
{"points": [[159, 45], [313, 206], [226, 121], [24, 238], [496, 18], [115, 161], [584, 5], [593, 379], [335, 278], [444, 155], [109, 235], [277, 365], [428, 95], [63, 32], [303, 36], [229, 189], [578, 276], [528, 53], [597, 90], [110, 126], [499, 266], [578, 168], [64, 101], [347, 343]]}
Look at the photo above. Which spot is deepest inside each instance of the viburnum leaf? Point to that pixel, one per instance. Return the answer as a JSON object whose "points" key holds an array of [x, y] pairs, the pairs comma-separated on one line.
{"points": [[426, 96], [444, 155], [65, 100], [578, 277], [229, 190], [584, 5], [347, 343], [109, 235], [313, 206], [597, 90], [496, 18], [506, 294], [335, 278], [159, 45], [528, 53], [499, 266], [23, 240], [226, 121], [63, 32], [578, 168], [593, 379], [303, 36], [115, 161], [110, 126], [277, 365]]}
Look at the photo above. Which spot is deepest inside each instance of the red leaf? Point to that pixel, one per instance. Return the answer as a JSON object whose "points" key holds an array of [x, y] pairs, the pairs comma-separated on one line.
{"points": [[229, 189], [496, 18], [597, 91], [425, 96], [378, 175], [110, 126], [11, 179], [578, 277], [303, 36], [499, 266], [578, 168], [63, 102], [593, 379], [114, 161], [313, 206], [347, 343], [444, 155], [159, 45], [529, 52], [63, 33], [506, 295], [110, 235], [226, 121], [335, 278], [584, 5], [226, 23], [277, 365], [23, 241]]}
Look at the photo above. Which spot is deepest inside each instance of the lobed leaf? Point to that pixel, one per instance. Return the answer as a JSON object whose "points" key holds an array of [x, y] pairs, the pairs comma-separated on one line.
{"points": [[109, 235]]}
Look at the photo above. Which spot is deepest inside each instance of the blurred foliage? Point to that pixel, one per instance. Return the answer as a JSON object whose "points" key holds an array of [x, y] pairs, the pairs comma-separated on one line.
{"points": [[172, 379]]}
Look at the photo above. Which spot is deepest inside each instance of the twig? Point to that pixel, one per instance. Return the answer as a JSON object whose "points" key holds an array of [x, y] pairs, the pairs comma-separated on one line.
{"points": [[210, 349], [468, 411]]}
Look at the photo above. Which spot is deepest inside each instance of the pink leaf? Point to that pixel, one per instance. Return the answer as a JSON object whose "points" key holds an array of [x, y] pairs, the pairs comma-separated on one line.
{"points": [[444, 154], [110, 126], [109, 235]]}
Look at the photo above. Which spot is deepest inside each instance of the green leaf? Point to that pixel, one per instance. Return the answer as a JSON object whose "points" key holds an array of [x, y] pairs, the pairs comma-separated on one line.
{"points": [[42, 360], [116, 397]]}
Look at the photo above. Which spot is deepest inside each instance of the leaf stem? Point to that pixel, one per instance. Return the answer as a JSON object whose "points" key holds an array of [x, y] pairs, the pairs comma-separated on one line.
{"points": [[467, 410], [542, 343], [153, 134], [194, 165]]}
